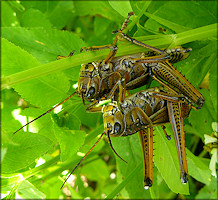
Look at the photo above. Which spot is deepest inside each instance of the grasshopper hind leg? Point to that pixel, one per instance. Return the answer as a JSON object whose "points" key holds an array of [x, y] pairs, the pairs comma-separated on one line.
{"points": [[177, 123], [146, 138]]}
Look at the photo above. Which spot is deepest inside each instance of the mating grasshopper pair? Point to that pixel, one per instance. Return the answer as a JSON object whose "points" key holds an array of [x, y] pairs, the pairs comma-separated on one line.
{"points": [[111, 77], [102, 79]]}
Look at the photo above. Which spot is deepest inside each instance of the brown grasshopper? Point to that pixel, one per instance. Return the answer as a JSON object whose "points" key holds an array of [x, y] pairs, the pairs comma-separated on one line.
{"points": [[104, 77], [142, 111], [101, 79]]}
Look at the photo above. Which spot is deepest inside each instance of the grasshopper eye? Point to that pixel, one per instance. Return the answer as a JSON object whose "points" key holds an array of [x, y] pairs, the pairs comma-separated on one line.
{"points": [[91, 92], [117, 128]]}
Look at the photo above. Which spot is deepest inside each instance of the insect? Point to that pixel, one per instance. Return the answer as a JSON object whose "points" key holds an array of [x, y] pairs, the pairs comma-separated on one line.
{"points": [[97, 78], [142, 111]]}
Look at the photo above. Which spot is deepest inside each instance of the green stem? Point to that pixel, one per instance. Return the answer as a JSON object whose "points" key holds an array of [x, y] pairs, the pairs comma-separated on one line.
{"points": [[36, 170], [93, 134], [63, 166], [136, 19], [14, 178], [11, 195], [202, 33], [202, 154], [151, 190], [195, 140]]}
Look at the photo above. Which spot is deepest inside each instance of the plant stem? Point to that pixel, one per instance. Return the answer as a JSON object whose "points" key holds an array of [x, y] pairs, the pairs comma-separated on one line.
{"points": [[136, 19], [202, 33], [36, 170]]}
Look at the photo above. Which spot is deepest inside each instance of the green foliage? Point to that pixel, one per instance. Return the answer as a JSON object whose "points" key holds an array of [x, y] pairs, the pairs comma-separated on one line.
{"points": [[33, 34]]}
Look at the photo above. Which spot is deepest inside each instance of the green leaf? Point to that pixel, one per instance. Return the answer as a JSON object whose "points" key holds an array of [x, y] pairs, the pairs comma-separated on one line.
{"points": [[129, 149], [72, 122], [27, 190], [3, 153], [57, 12], [213, 84], [197, 169], [173, 26], [44, 44], [100, 32], [8, 16], [70, 141], [54, 86], [102, 8], [122, 7], [30, 147], [34, 18], [128, 179], [207, 50], [215, 126], [166, 160], [179, 19], [96, 170], [88, 119], [9, 125], [196, 69], [51, 192], [208, 191], [42, 126], [89, 143], [203, 117]]}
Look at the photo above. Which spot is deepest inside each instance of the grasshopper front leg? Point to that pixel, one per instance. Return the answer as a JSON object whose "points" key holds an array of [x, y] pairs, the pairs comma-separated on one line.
{"points": [[113, 47], [109, 83]]}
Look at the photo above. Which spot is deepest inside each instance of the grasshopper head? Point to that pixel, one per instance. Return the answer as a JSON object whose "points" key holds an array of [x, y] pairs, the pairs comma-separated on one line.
{"points": [[89, 81], [113, 120]]}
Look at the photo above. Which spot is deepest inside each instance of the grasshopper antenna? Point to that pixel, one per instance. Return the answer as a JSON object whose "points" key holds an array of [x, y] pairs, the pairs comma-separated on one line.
{"points": [[82, 159], [109, 139], [48, 111]]}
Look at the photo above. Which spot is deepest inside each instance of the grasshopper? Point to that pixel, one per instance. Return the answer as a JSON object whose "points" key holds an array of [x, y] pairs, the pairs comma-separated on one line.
{"points": [[141, 112], [135, 71]]}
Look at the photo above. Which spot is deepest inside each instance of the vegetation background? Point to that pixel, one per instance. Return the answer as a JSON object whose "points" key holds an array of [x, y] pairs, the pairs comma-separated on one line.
{"points": [[35, 162]]}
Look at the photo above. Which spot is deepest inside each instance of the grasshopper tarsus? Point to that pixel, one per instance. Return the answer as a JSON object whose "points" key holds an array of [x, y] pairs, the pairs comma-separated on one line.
{"points": [[184, 178]]}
